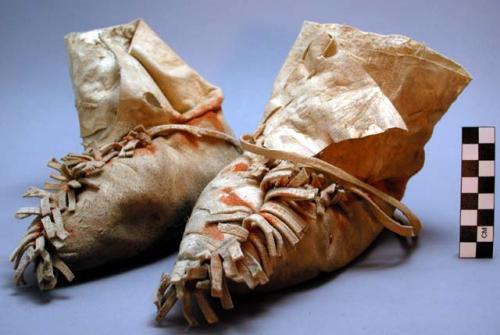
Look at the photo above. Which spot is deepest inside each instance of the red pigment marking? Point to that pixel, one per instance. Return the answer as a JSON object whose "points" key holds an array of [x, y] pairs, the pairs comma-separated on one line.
{"points": [[190, 139], [147, 150], [232, 199], [240, 167], [212, 231], [211, 117]]}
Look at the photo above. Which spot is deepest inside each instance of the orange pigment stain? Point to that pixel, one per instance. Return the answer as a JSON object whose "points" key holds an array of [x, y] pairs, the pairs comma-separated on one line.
{"points": [[232, 199], [212, 231], [211, 117], [240, 167]]}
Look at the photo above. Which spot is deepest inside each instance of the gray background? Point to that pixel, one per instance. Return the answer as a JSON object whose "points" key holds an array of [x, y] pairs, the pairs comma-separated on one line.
{"points": [[240, 46]]}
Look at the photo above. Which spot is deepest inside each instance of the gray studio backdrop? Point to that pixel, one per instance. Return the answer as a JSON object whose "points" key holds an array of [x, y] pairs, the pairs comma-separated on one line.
{"points": [[240, 46]]}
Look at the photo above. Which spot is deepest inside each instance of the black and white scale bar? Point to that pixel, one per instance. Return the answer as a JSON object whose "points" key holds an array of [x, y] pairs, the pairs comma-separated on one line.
{"points": [[477, 202]]}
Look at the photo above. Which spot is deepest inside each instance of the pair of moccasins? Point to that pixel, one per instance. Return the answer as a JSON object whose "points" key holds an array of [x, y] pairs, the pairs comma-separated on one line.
{"points": [[307, 192]]}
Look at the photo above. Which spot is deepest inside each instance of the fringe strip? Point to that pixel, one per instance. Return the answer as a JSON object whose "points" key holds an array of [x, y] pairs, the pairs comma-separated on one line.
{"points": [[46, 234]]}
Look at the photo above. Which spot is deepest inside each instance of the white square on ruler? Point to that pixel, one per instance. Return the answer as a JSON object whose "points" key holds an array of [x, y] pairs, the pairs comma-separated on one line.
{"points": [[487, 135], [469, 184], [470, 152], [485, 233], [468, 249], [486, 168], [468, 217], [486, 200]]}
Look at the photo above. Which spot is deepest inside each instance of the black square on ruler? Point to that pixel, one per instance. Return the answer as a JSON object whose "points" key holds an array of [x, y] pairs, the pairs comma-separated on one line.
{"points": [[470, 168], [468, 201], [487, 151], [468, 233], [485, 217], [470, 135], [484, 250], [486, 185]]}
